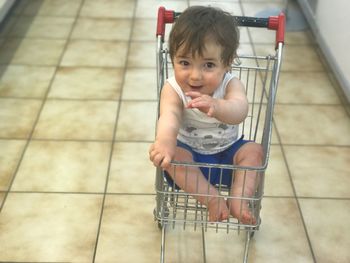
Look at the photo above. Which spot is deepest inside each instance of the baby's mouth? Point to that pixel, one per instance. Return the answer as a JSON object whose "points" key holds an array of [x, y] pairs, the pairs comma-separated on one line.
{"points": [[196, 87]]}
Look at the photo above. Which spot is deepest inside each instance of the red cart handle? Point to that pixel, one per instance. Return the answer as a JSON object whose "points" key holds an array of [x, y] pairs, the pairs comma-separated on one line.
{"points": [[164, 17], [276, 23]]}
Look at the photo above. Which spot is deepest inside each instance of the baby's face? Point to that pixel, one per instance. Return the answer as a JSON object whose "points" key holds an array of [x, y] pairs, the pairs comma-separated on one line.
{"points": [[200, 73]]}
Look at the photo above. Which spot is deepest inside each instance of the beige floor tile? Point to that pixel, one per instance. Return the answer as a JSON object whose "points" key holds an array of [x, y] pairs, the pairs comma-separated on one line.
{"points": [[183, 246], [128, 232], [131, 170], [85, 120], [312, 124], [108, 8], [266, 36], [95, 53], [243, 36], [295, 57], [42, 27], [103, 29], [328, 226], [17, 117], [223, 247], [87, 83], [144, 29], [301, 58], [67, 166], [262, 36], [149, 8], [281, 237], [52, 8], [33, 83], [320, 171], [53, 231], [10, 154], [306, 87], [44, 52], [245, 49], [137, 121], [140, 84], [299, 37], [277, 182], [142, 55]]}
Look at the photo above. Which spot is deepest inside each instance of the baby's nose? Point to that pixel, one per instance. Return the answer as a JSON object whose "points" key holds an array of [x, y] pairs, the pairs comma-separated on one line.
{"points": [[196, 74]]}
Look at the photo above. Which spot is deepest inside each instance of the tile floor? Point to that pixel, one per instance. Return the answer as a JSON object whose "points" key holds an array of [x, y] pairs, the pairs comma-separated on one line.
{"points": [[77, 110]]}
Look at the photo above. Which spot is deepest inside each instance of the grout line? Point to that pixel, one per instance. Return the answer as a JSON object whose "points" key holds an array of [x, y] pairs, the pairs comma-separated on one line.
{"points": [[295, 194], [78, 193], [115, 130], [77, 99], [76, 140], [154, 194], [155, 100], [309, 197]]}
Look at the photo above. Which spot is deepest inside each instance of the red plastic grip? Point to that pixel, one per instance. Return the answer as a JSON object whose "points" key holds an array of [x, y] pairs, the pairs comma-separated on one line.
{"points": [[278, 23], [164, 17]]}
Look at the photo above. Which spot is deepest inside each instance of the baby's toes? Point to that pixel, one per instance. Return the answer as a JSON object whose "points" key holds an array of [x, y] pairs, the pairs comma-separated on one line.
{"points": [[248, 218]]}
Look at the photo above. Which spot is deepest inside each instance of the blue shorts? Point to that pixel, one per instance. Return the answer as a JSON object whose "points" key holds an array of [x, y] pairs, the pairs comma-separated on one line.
{"points": [[224, 157]]}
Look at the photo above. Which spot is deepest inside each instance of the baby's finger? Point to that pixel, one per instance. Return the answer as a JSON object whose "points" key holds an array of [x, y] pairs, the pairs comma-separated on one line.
{"points": [[151, 154], [211, 112], [157, 159], [165, 162], [193, 94]]}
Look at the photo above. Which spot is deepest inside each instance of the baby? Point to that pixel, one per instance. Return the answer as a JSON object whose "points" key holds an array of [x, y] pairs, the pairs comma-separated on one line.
{"points": [[200, 109]]}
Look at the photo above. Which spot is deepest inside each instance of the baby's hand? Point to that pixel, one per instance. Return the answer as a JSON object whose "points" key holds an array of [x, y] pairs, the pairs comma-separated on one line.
{"points": [[202, 102], [161, 154]]}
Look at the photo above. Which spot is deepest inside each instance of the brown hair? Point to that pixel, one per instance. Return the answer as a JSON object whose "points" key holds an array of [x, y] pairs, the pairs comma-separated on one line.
{"points": [[197, 24]]}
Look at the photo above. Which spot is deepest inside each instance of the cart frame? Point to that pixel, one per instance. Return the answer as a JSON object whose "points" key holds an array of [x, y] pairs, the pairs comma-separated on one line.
{"points": [[258, 73]]}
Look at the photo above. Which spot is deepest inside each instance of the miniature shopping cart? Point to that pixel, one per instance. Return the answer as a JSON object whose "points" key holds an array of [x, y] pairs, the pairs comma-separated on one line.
{"points": [[259, 74]]}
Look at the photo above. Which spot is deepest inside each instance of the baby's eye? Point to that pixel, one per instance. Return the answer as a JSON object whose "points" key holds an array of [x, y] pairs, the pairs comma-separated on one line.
{"points": [[184, 63], [209, 65]]}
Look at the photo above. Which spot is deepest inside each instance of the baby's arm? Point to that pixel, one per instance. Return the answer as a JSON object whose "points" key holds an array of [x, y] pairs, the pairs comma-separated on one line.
{"points": [[162, 151], [232, 109]]}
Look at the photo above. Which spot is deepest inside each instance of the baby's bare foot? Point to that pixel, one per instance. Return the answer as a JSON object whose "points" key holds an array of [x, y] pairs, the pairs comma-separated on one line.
{"points": [[239, 209], [218, 210]]}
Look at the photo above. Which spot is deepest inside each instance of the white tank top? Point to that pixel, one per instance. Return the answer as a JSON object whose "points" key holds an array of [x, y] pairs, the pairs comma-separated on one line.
{"points": [[204, 134]]}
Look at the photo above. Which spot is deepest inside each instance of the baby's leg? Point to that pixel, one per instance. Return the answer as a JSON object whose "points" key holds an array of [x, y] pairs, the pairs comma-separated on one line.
{"points": [[245, 181], [192, 181]]}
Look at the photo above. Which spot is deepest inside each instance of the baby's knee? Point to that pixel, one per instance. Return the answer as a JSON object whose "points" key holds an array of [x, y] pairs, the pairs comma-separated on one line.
{"points": [[258, 152], [250, 154]]}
